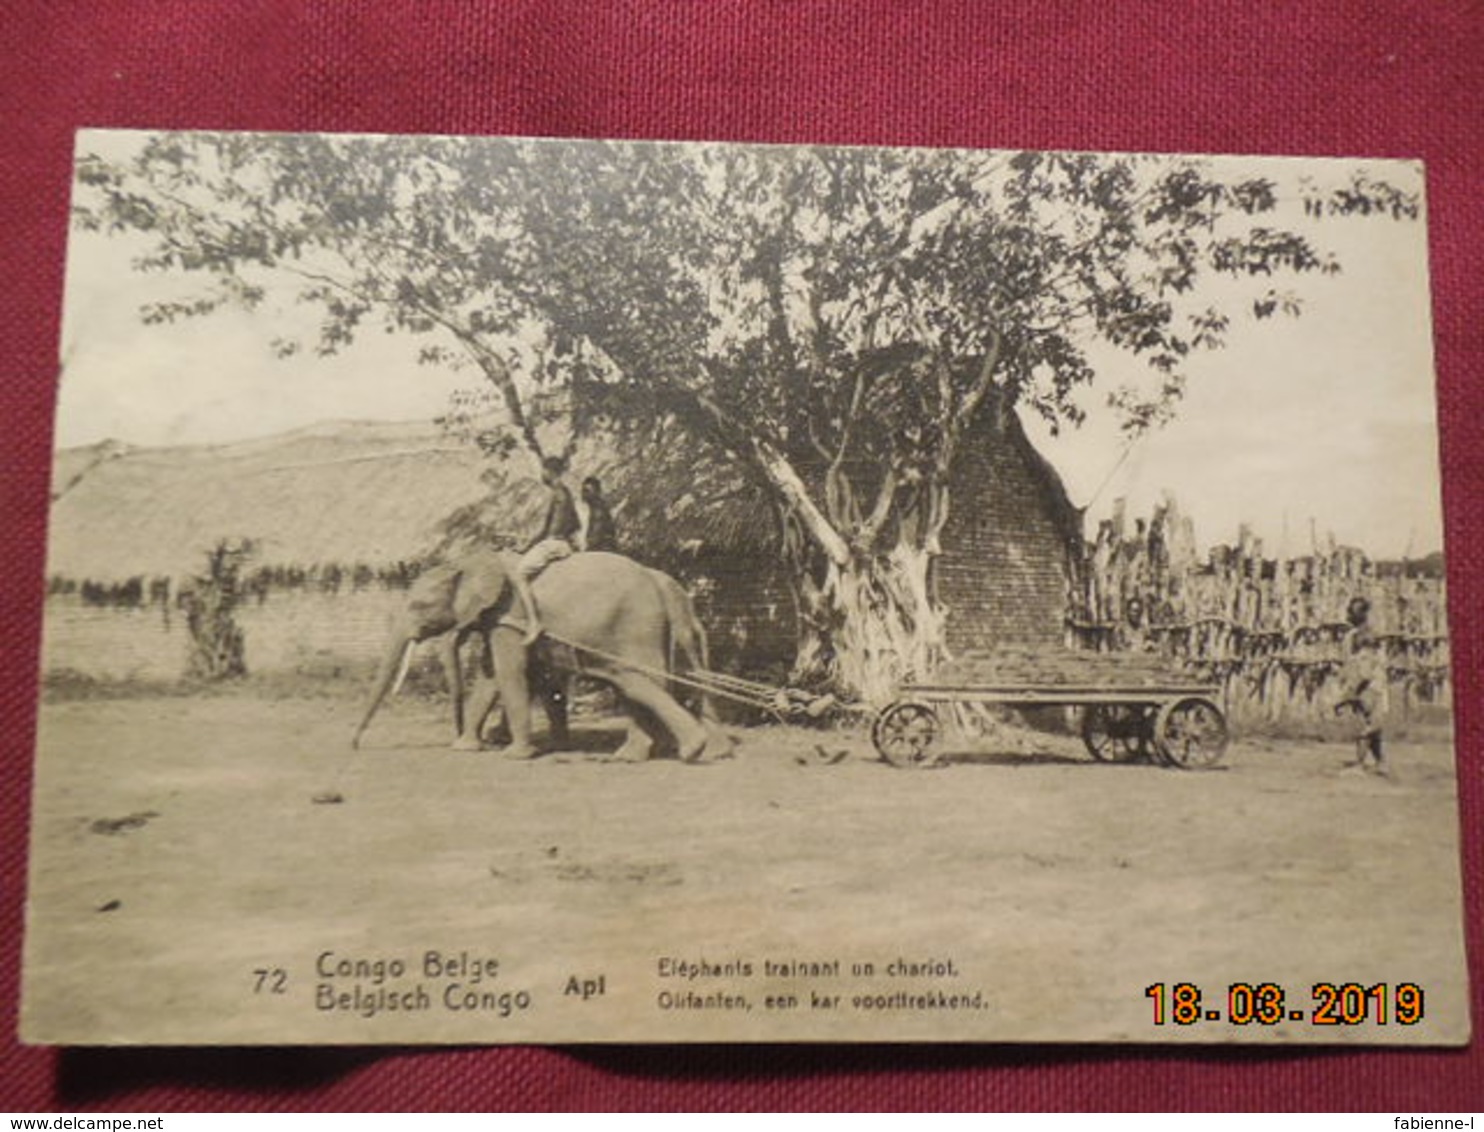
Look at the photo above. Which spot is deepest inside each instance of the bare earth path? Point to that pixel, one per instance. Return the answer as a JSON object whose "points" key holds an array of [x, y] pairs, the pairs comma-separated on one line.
{"points": [[1034, 896]]}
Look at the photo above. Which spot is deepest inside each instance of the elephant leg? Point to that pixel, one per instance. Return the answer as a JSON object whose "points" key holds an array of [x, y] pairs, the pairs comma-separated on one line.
{"points": [[495, 729], [513, 683], [691, 658], [481, 703], [689, 735], [638, 744], [551, 688], [719, 742]]}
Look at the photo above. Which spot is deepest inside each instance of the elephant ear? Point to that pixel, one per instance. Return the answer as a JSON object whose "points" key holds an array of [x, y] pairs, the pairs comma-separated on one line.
{"points": [[430, 604], [481, 587]]}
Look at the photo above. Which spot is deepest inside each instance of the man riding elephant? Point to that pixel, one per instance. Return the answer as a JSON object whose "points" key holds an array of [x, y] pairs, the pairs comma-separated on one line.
{"points": [[557, 538]]}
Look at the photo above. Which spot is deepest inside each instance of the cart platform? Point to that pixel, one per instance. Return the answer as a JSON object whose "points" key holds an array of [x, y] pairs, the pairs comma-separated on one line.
{"points": [[1133, 706]]}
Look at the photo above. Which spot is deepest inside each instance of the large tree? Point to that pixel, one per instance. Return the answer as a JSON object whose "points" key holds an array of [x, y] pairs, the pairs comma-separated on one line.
{"points": [[834, 322]]}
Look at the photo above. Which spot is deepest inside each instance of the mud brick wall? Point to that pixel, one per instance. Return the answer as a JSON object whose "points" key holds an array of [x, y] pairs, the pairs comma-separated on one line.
{"points": [[745, 607], [1003, 573], [286, 633], [748, 612]]}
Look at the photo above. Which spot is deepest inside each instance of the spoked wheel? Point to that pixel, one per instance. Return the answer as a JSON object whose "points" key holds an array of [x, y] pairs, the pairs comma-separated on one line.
{"points": [[1191, 733], [1115, 733], [904, 734]]}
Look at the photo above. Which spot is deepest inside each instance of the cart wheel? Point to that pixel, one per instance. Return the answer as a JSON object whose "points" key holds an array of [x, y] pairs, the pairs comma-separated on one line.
{"points": [[1190, 732], [905, 732], [1115, 733]]}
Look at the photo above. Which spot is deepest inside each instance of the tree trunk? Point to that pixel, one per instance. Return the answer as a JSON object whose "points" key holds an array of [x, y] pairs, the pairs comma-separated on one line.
{"points": [[870, 625]]}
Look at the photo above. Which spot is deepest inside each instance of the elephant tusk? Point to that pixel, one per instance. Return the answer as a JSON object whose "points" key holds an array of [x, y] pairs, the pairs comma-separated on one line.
{"points": [[402, 670]]}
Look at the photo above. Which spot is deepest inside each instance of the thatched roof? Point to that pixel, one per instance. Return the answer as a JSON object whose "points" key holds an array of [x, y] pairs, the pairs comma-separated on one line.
{"points": [[671, 499], [677, 499], [353, 492], [379, 494], [342, 492]]}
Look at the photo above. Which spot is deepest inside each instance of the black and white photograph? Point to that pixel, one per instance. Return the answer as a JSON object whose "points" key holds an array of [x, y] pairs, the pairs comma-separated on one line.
{"points": [[510, 590]]}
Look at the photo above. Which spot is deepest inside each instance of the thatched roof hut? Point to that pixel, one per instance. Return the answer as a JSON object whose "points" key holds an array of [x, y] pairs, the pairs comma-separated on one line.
{"points": [[382, 494], [341, 492]]}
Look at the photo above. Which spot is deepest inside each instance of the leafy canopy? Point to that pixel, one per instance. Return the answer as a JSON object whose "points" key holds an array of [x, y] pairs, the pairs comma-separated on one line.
{"points": [[831, 318]]}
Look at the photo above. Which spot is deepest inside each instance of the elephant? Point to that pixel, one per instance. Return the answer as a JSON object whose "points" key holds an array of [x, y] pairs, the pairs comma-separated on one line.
{"points": [[688, 657], [448, 602], [610, 618]]}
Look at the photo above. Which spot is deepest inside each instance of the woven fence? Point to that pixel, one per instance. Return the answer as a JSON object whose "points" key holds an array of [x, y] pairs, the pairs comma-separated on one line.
{"points": [[1270, 629]]}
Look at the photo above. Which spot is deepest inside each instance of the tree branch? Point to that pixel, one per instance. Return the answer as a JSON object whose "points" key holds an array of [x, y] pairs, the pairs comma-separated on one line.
{"points": [[493, 368], [870, 530], [969, 406], [769, 461]]}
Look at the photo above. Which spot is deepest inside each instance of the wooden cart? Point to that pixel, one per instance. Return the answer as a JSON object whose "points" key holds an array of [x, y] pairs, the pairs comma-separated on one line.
{"points": [[1153, 717]]}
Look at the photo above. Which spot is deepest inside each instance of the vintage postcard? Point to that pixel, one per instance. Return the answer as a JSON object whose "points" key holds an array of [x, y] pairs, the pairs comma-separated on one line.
{"points": [[508, 590]]}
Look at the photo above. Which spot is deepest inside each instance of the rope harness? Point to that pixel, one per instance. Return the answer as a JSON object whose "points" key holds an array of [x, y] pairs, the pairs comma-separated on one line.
{"points": [[779, 702]]}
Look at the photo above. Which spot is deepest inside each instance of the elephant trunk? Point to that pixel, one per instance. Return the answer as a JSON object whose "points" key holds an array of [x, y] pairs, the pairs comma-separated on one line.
{"points": [[449, 652], [402, 669], [393, 668]]}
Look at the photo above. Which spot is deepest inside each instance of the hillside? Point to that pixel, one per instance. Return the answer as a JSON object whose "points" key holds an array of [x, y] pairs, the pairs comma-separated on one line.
{"points": [[336, 492]]}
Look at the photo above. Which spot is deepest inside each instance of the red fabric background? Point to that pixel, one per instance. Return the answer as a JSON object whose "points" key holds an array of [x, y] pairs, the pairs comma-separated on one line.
{"points": [[1385, 77]]}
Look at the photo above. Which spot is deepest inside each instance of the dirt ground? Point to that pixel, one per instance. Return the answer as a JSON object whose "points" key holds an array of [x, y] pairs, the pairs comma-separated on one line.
{"points": [[193, 880]]}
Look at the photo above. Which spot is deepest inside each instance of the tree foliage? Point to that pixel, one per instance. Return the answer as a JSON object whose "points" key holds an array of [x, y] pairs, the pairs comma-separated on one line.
{"points": [[835, 321], [217, 646]]}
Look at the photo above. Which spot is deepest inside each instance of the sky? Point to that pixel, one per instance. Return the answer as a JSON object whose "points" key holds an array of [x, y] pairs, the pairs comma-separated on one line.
{"points": [[1327, 419]]}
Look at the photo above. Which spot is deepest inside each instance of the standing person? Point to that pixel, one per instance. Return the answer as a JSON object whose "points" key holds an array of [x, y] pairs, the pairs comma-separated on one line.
{"points": [[558, 533], [602, 531], [1366, 697]]}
